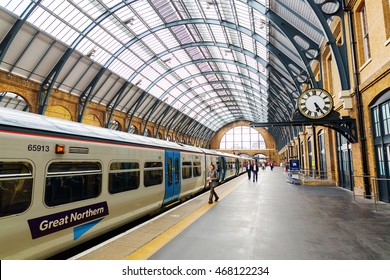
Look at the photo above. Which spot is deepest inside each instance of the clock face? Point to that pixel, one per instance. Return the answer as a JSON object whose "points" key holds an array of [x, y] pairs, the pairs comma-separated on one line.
{"points": [[315, 103]]}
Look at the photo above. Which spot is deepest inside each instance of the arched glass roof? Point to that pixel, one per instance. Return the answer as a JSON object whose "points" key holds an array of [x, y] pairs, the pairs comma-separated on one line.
{"points": [[181, 64]]}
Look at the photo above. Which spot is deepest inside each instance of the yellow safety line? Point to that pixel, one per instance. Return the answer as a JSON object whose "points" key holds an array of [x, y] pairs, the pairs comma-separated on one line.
{"points": [[160, 241]]}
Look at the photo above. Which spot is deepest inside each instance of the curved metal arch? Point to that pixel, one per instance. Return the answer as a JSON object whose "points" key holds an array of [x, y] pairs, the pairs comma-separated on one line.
{"points": [[16, 27], [282, 82], [181, 47], [151, 109], [339, 52], [165, 113], [137, 38], [285, 89], [239, 64], [189, 45], [239, 75], [245, 109], [235, 96], [289, 31], [198, 44], [192, 21], [215, 60], [278, 97], [48, 82], [284, 59]]}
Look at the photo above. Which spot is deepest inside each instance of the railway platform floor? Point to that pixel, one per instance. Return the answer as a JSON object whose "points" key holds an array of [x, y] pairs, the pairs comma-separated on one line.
{"points": [[269, 219]]}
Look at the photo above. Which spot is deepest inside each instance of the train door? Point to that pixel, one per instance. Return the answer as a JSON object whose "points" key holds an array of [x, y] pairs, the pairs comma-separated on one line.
{"points": [[221, 168], [237, 166], [172, 176]]}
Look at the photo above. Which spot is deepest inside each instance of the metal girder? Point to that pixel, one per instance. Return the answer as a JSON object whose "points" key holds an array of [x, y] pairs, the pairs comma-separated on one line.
{"points": [[256, 5], [84, 98], [118, 95], [196, 44], [339, 51], [8, 39], [206, 21], [345, 125], [48, 82], [284, 90], [221, 89], [278, 97], [285, 60], [276, 72], [214, 60], [239, 64], [192, 77], [205, 101], [239, 75]]}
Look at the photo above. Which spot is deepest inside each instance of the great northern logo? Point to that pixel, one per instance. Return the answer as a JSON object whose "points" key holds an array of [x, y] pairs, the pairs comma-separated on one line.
{"points": [[45, 225]]}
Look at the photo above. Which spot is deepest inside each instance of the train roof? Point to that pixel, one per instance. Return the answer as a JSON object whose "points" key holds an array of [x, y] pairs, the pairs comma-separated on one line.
{"points": [[36, 122]]}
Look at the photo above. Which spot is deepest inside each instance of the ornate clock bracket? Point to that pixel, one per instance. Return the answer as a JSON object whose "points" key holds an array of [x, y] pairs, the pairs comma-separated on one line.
{"points": [[345, 125]]}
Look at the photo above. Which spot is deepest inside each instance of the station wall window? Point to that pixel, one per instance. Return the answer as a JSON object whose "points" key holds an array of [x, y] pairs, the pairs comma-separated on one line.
{"points": [[386, 14], [321, 149], [242, 138], [153, 173], [68, 182], [14, 101], [363, 35], [380, 117], [15, 187], [123, 176]]}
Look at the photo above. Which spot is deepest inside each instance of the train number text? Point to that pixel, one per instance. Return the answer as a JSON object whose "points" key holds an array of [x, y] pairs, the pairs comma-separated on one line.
{"points": [[38, 148]]}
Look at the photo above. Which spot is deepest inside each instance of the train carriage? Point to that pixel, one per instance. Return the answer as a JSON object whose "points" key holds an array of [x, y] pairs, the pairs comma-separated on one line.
{"points": [[63, 183]]}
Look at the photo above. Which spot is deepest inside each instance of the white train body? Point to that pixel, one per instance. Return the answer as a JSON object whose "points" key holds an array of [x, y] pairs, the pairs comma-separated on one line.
{"points": [[63, 183]]}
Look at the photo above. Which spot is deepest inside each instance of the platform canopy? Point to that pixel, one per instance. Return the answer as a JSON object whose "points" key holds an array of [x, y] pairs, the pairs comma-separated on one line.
{"points": [[191, 66]]}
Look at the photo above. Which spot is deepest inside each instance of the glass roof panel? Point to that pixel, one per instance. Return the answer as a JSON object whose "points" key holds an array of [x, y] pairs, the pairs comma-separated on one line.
{"points": [[140, 41]]}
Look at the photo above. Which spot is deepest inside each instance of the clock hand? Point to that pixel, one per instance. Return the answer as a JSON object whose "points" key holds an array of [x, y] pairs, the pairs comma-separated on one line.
{"points": [[318, 108]]}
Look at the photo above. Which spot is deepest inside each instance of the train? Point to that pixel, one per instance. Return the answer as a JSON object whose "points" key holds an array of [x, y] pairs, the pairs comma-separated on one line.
{"points": [[63, 183]]}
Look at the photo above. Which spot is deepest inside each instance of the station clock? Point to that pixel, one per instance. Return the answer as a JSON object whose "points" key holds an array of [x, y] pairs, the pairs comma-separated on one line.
{"points": [[315, 103]]}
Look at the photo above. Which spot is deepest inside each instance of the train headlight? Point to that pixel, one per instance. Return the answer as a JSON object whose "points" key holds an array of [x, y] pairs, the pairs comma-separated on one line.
{"points": [[60, 149]]}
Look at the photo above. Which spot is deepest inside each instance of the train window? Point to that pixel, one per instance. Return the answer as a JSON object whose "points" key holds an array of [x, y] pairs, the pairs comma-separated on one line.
{"points": [[177, 169], [15, 187], [197, 169], [68, 182], [186, 170], [153, 173], [169, 171], [124, 176]]}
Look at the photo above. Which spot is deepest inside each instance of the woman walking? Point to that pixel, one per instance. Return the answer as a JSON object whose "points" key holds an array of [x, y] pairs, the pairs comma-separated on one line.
{"points": [[213, 182]]}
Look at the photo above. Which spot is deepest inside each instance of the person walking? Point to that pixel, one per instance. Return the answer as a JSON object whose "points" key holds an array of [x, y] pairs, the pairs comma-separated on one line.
{"points": [[213, 182], [249, 169], [255, 170]]}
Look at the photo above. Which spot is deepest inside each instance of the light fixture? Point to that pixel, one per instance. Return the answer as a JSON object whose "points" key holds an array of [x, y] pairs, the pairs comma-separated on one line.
{"points": [[129, 21], [167, 60], [91, 53]]}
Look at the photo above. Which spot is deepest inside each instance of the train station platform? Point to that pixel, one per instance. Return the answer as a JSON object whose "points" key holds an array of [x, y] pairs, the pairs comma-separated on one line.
{"points": [[269, 219]]}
